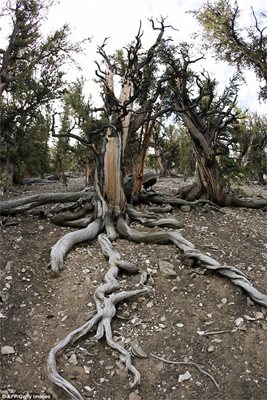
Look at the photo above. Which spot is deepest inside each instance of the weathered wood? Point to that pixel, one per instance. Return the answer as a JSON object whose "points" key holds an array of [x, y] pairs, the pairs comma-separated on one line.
{"points": [[63, 245], [105, 312], [11, 207], [236, 276]]}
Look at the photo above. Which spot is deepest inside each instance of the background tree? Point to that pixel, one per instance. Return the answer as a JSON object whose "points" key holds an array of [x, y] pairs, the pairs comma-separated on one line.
{"points": [[243, 48], [61, 160], [207, 116], [31, 75], [249, 139], [80, 123], [174, 145]]}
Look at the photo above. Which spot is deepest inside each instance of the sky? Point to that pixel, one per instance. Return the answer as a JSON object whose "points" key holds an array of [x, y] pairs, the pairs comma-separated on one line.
{"points": [[119, 20]]}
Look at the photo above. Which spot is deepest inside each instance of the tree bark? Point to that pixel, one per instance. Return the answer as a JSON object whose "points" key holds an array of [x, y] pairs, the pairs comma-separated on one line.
{"points": [[7, 171], [111, 172]]}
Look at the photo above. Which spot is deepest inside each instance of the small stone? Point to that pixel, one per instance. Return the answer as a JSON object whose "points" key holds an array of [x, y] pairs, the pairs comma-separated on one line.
{"points": [[2, 315], [185, 208], [120, 365], [9, 266], [126, 314], [6, 350], [138, 351], [217, 341], [134, 396], [211, 349], [86, 271], [167, 269], [179, 325], [239, 321], [259, 315], [162, 326], [224, 300], [73, 359], [184, 377], [249, 318], [19, 360], [88, 389]]}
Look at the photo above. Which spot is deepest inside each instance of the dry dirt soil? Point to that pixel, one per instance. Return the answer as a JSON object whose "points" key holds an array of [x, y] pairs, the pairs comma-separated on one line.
{"points": [[195, 316]]}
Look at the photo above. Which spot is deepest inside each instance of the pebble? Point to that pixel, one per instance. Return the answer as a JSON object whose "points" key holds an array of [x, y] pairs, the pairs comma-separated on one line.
{"points": [[134, 396], [239, 321], [184, 377], [126, 314], [185, 208], [259, 315], [211, 349], [120, 365], [86, 271], [249, 318], [88, 388], [6, 350], [2, 315], [167, 269], [73, 359]]}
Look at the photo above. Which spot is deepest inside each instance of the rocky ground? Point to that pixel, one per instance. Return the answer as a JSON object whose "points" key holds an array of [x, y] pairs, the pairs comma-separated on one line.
{"points": [[191, 316]]}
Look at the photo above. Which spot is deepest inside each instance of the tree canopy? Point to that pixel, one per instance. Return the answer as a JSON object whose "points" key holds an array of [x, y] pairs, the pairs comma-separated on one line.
{"points": [[245, 48], [31, 77]]}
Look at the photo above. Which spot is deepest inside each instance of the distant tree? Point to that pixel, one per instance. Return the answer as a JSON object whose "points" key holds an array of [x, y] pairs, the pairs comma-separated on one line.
{"points": [[245, 48], [173, 142], [207, 116], [31, 75], [249, 140], [33, 157], [62, 148], [79, 122]]}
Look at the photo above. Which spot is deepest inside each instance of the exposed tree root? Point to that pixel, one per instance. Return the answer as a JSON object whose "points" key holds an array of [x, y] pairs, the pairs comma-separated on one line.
{"points": [[158, 198], [107, 295], [236, 276], [190, 363], [12, 207], [194, 192], [161, 210], [105, 300], [78, 219], [190, 192], [63, 245], [256, 204]]}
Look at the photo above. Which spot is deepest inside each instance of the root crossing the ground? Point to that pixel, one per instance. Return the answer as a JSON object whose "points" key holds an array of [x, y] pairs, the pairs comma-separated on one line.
{"points": [[106, 298]]}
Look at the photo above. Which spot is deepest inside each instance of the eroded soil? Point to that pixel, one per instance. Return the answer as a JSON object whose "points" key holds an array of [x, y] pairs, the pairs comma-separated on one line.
{"points": [[178, 321]]}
